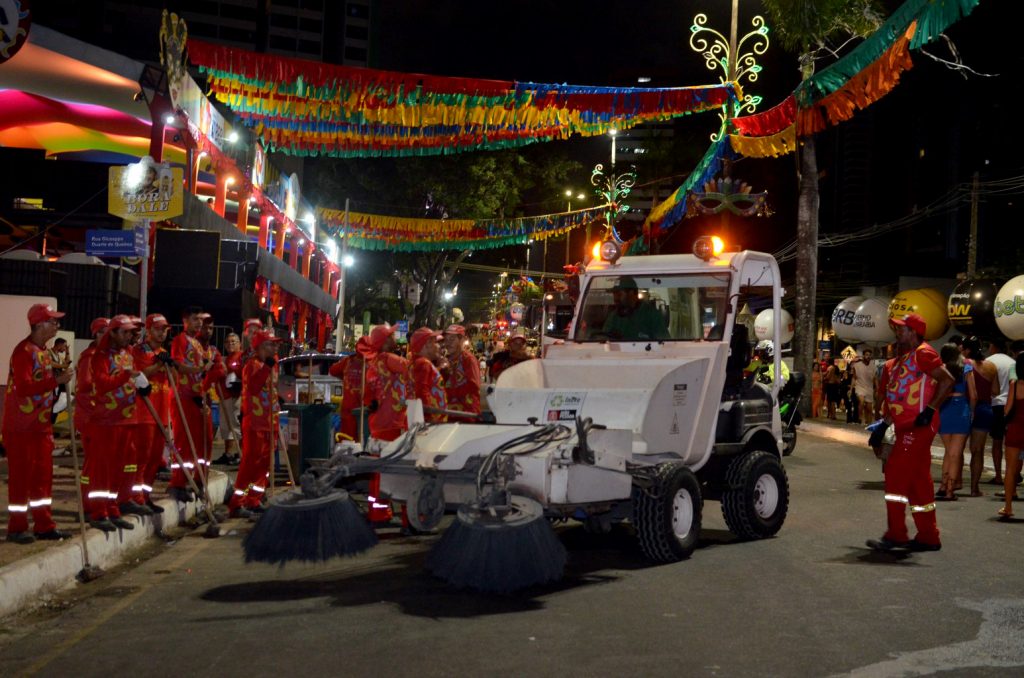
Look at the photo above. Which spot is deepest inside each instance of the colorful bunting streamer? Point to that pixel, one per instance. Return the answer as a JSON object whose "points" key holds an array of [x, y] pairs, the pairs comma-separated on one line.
{"points": [[401, 234], [308, 108], [773, 146]]}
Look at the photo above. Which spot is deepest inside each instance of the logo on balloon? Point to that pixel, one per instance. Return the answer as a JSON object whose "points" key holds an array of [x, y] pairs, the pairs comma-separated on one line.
{"points": [[1009, 309]]}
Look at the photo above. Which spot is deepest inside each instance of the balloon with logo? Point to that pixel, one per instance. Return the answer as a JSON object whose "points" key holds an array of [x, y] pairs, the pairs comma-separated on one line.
{"points": [[971, 306], [516, 311], [843, 316], [764, 325], [871, 322], [1009, 309], [928, 303]]}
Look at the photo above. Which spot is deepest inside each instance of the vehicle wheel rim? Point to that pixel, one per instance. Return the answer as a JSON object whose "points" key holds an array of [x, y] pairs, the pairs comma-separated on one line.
{"points": [[682, 514], [766, 496]]}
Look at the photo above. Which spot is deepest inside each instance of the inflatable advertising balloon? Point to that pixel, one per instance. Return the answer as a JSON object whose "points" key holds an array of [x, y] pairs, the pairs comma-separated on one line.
{"points": [[971, 307], [842, 317], [1009, 309], [764, 325], [930, 304], [871, 322]]}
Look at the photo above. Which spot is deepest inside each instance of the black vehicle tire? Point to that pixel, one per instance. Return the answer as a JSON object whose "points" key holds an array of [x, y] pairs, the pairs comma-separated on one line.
{"points": [[788, 442], [757, 499], [667, 516]]}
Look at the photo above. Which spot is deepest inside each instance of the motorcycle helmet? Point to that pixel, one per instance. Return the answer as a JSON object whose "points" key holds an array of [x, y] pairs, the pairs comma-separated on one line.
{"points": [[766, 348]]}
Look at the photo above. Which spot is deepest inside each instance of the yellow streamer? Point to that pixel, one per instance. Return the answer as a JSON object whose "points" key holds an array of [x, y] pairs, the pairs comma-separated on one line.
{"points": [[763, 147]]}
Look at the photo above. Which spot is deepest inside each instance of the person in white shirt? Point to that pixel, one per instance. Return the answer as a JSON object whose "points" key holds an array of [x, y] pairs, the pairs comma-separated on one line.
{"points": [[864, 384], [1004, 363]]}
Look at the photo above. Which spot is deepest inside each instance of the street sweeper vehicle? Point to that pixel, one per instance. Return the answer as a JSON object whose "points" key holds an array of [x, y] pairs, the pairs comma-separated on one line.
{"points": [[641, 414]]}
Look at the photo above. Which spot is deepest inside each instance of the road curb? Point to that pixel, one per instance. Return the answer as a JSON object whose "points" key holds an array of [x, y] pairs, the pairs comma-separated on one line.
{"points": [[860, 437], [23, 583]]}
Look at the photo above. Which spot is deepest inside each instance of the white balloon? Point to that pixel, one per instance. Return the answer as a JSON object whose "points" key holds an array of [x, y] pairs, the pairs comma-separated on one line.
{"points": [[871, 322], [1009, 309], [764, 325], [843, 317]]}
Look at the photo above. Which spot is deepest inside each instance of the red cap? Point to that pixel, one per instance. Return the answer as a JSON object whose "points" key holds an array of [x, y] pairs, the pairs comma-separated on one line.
{"points": [[253, 322], [456, 329], [119, 321], [420, 337], [154, 320], [136, 320], [40, 313], [913, 321], [98, 325], [379, 334], [518, 333], [363, 347], [264, 336]]}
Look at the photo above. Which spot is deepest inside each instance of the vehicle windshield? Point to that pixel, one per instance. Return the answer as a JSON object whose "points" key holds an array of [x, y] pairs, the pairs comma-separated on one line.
{"points": [[689, 307], [299, 366]]}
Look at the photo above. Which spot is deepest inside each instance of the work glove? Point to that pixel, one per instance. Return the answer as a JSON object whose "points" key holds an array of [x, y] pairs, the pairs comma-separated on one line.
{"points": [[925, 418], [270, 362], [235, 389], [198, 400], [374, 406], [878, 430], [145, 390], [165, 358]]}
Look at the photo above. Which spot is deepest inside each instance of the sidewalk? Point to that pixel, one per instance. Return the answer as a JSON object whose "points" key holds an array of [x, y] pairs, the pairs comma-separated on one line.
{"points": [[28, 573]]}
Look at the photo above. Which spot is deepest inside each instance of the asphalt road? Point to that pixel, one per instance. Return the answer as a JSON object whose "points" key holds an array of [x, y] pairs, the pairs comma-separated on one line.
{"points": [[810, 602]]}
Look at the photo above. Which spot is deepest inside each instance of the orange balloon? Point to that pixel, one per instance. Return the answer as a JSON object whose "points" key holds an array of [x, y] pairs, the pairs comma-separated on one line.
{"points": [[927, 303]]}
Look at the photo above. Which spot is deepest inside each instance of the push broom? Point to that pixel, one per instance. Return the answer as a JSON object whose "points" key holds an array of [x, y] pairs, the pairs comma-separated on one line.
{"points": [[89, 572], [191, 443], [213, 529]]}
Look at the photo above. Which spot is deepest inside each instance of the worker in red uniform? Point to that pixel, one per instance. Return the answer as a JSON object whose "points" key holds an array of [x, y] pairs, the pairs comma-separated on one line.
{"points": [[28, 431], [83, 387], [387, 380], [915, 387], [351, 370], [189, 366], [129, 477], [427, 384], [251, 326], [259, 425], [515, 354], [462, 377], [113, 394], [150, 358]]}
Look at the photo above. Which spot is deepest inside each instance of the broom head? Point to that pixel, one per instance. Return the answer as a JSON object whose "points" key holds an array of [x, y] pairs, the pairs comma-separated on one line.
{"points": [[501, 551], [295, 527]]}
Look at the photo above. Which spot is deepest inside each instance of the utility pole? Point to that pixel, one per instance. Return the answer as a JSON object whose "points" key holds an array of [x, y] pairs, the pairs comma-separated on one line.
{"points": [[339, 339], [972, 245]]}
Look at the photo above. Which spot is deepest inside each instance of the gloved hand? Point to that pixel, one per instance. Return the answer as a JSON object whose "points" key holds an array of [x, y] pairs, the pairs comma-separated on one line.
{"points": [[145, 390], [198, 400], [925, 418], [270, 362], [165, 358], [877, 434], [235, 388], [374, 406]]}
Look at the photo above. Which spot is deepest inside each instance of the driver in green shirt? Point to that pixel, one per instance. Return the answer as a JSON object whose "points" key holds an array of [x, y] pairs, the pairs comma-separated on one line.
{"points": [[633, 319]]}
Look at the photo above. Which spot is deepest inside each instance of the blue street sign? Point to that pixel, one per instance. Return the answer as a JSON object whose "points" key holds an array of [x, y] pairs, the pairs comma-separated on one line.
{"points": [[403, 326], [102, 243]]}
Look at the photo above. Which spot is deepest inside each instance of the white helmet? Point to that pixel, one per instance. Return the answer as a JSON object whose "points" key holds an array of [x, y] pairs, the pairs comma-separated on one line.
{"points": [[767, 346]]}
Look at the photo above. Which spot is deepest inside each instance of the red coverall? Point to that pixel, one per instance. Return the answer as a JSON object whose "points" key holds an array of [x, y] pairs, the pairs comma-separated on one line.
{"points": [[28, 436], [428, 387], [387, 380], [259, 431], [462, 384], [213, 378], [113, 396], [908, 479], [186, 350], [83, 399], [150, 440], [351, 372]]}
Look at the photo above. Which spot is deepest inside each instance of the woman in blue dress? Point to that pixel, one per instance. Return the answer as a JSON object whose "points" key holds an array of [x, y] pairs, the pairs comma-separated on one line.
{"points": [[955, 420]]}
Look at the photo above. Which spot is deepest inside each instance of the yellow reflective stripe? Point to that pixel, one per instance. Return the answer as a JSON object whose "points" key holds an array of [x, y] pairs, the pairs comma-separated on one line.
{"points": [[923, 509], [899, 498], [131, 468]]}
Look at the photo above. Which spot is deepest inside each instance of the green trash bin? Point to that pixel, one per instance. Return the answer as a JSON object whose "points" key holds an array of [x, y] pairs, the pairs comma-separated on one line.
{"points": [[310, 434]]}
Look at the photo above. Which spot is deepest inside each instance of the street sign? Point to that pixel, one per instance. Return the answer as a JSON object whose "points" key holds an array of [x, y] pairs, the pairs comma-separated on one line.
{"points": [[145, 190], [403, 326], [100, 243]]}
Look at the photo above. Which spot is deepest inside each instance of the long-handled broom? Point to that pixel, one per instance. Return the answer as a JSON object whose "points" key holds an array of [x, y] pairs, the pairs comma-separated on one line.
{"points": [[500, 542], [191, 442], [212, 529], [89, 572], [318, 522]]}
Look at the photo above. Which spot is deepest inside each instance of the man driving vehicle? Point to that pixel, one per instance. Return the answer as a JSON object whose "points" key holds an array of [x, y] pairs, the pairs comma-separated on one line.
{"points": [[633, 319], [763, 364]]}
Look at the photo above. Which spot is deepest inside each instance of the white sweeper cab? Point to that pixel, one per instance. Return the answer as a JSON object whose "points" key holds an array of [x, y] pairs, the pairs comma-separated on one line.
{"points": [[641, 414]]}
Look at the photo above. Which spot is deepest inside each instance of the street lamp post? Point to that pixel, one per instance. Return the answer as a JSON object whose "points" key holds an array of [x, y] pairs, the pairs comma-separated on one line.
{"points": [[568, 208]]}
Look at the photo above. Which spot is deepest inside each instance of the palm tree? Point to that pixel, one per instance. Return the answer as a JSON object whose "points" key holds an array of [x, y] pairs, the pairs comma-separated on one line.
{"points": [[808, 27]]}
